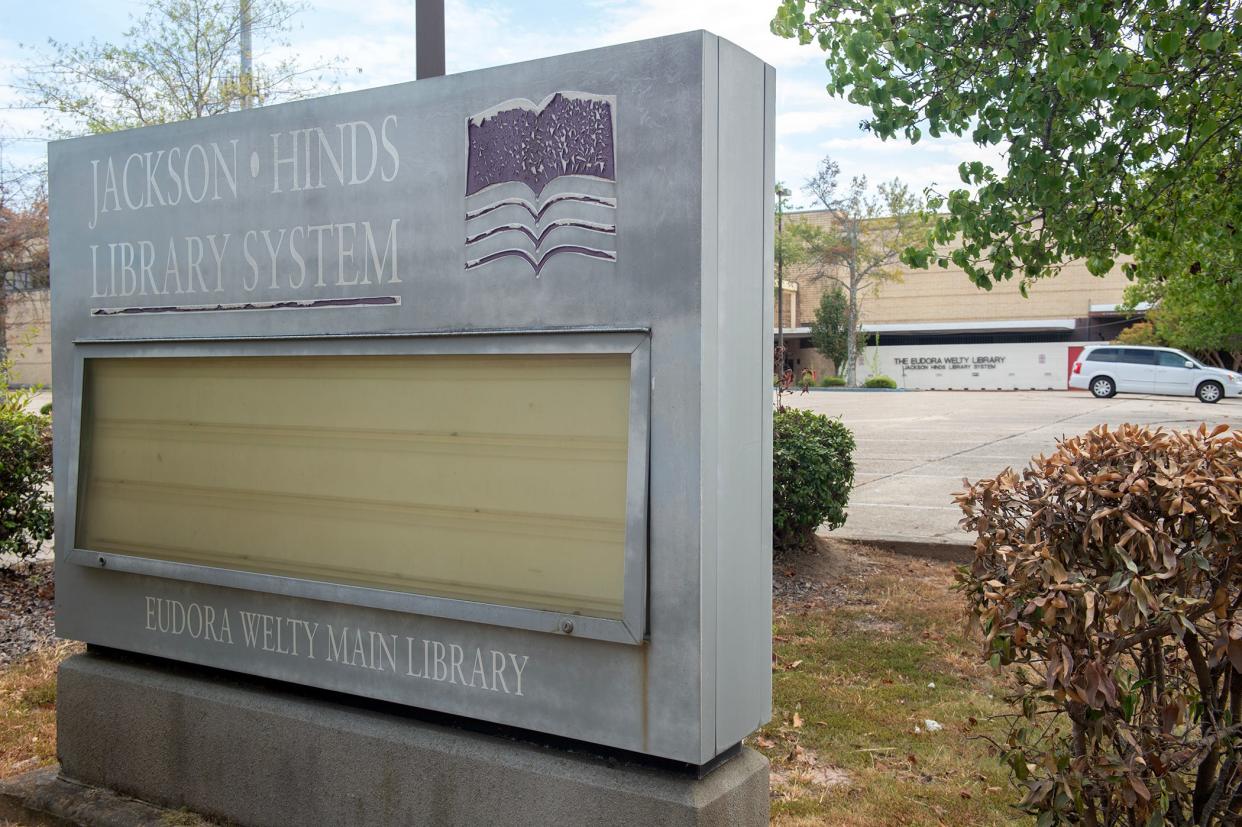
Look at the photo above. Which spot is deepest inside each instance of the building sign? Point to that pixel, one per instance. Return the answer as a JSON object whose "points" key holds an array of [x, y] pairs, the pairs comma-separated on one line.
{"points": [[453, 394], [996, 366], [938, 363]]}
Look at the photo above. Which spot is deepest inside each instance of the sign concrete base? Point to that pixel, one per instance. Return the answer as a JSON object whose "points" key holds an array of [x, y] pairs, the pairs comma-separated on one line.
{"points": [[258, 753]]}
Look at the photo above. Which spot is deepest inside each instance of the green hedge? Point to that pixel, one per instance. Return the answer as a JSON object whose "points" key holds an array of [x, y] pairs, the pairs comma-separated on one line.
{"points": [[812, 474], [880, 381], [25, 471], [832, 382]]}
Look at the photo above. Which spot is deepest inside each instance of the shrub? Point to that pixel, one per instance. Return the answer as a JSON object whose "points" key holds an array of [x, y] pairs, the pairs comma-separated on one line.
{"points": [[812, 474], [25, 471], [1108, 579], [832, 382], [880, 381], [1139, 333]]}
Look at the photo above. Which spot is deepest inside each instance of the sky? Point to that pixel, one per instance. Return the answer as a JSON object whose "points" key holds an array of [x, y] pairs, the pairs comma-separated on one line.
{"points": [[376, 40]]}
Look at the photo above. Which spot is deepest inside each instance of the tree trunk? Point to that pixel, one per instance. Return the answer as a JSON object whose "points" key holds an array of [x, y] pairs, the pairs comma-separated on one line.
{"points": [[851, 341], [4, 341]]}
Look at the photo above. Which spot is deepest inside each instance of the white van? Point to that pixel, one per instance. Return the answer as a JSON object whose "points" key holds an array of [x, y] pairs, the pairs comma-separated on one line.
{"points": [[1106, 370]]}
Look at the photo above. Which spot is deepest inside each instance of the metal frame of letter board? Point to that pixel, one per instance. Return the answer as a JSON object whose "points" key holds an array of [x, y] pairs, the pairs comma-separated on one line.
{"points": [[629, 629]]}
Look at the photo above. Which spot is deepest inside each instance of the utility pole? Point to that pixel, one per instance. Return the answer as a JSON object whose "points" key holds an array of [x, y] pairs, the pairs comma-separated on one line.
{"points": [[245, 77], [428, 38], [782, 192]]}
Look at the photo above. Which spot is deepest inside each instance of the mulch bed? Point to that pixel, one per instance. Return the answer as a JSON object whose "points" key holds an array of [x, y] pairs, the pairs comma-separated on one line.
{"points": [[27, 609]]}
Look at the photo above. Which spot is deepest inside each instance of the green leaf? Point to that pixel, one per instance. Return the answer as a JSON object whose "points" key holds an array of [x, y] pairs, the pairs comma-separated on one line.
{"points": [[1168, 43]]}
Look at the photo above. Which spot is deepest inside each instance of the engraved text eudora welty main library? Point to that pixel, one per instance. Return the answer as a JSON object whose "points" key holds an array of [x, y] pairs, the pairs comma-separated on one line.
{"points": [[190, 268], [400, 655]]}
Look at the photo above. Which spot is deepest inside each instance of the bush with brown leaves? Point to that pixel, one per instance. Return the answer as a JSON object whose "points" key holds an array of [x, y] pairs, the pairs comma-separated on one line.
{"points": [[1107, 582]]}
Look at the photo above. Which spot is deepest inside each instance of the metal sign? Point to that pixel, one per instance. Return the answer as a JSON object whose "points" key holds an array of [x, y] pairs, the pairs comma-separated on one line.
{"points": [[453, 393]]}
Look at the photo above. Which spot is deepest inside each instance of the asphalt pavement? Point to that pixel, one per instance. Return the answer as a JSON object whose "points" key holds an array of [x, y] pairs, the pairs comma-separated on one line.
{"points": [[915, 448]]}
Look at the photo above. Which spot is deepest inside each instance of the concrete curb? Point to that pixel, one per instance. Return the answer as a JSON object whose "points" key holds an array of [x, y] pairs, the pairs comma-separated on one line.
{"points": [[853, 390], [948, 552], [41, 798]]}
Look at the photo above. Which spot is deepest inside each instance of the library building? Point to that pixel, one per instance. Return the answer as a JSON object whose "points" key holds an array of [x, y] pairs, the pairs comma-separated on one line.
{"points": [[933, 329]]}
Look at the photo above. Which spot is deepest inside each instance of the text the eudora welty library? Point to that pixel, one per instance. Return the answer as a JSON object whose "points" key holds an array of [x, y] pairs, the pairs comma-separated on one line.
{"points": [[341, 253], [406, 656]]}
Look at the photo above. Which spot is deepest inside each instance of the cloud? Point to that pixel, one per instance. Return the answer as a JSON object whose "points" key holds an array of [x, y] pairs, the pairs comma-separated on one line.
{"points": [[371, 13], [942, 149], [744, 22], [380, 48], [23, 130], [932, 163], [793, 166], [800, 122]]}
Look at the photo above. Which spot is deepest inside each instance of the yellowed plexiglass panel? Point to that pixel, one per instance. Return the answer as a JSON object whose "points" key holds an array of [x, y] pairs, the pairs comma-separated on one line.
{"points": [[499, 479]]}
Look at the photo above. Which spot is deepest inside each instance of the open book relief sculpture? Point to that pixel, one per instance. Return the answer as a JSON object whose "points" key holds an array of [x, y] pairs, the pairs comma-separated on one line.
{"points": [[529, 148]]}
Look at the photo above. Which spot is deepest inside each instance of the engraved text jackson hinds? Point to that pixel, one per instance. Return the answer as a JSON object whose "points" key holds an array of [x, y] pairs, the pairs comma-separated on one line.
{"points": [[329, 252]]}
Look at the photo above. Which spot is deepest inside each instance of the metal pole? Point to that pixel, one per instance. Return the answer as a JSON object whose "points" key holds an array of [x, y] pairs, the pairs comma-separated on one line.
{"points": [[429, 38], [781, 193], [780, 284], [246, 77]]}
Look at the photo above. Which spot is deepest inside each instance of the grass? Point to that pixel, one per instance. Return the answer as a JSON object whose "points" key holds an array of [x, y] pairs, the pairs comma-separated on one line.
{"points": [[28, 710], [856, 675]]}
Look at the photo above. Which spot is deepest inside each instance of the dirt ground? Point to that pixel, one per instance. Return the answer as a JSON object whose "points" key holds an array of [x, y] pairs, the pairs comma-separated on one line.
{"points": [[27, 609], [880, 696]]}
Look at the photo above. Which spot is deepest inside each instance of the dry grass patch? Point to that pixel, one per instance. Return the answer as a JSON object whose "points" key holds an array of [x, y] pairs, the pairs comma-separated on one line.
{"points": [[28, 710], [862, 661]]}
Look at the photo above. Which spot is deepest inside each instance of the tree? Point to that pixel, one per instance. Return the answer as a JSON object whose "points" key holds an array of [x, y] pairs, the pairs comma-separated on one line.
{"points": [[23, 238], [790, 252], [862, 247], [1193, 276], [1109, 110], [830, 330], [1140, 333], [181, 59], [1198, 312]]}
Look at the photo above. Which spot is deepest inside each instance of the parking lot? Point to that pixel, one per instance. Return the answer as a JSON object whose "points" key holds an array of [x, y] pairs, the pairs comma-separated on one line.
{"points": [[915, 447]]}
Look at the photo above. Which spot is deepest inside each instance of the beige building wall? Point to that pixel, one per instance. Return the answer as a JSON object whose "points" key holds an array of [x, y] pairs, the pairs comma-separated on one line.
{"points": [[947, 295], [803, 356], [28, 336]]}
